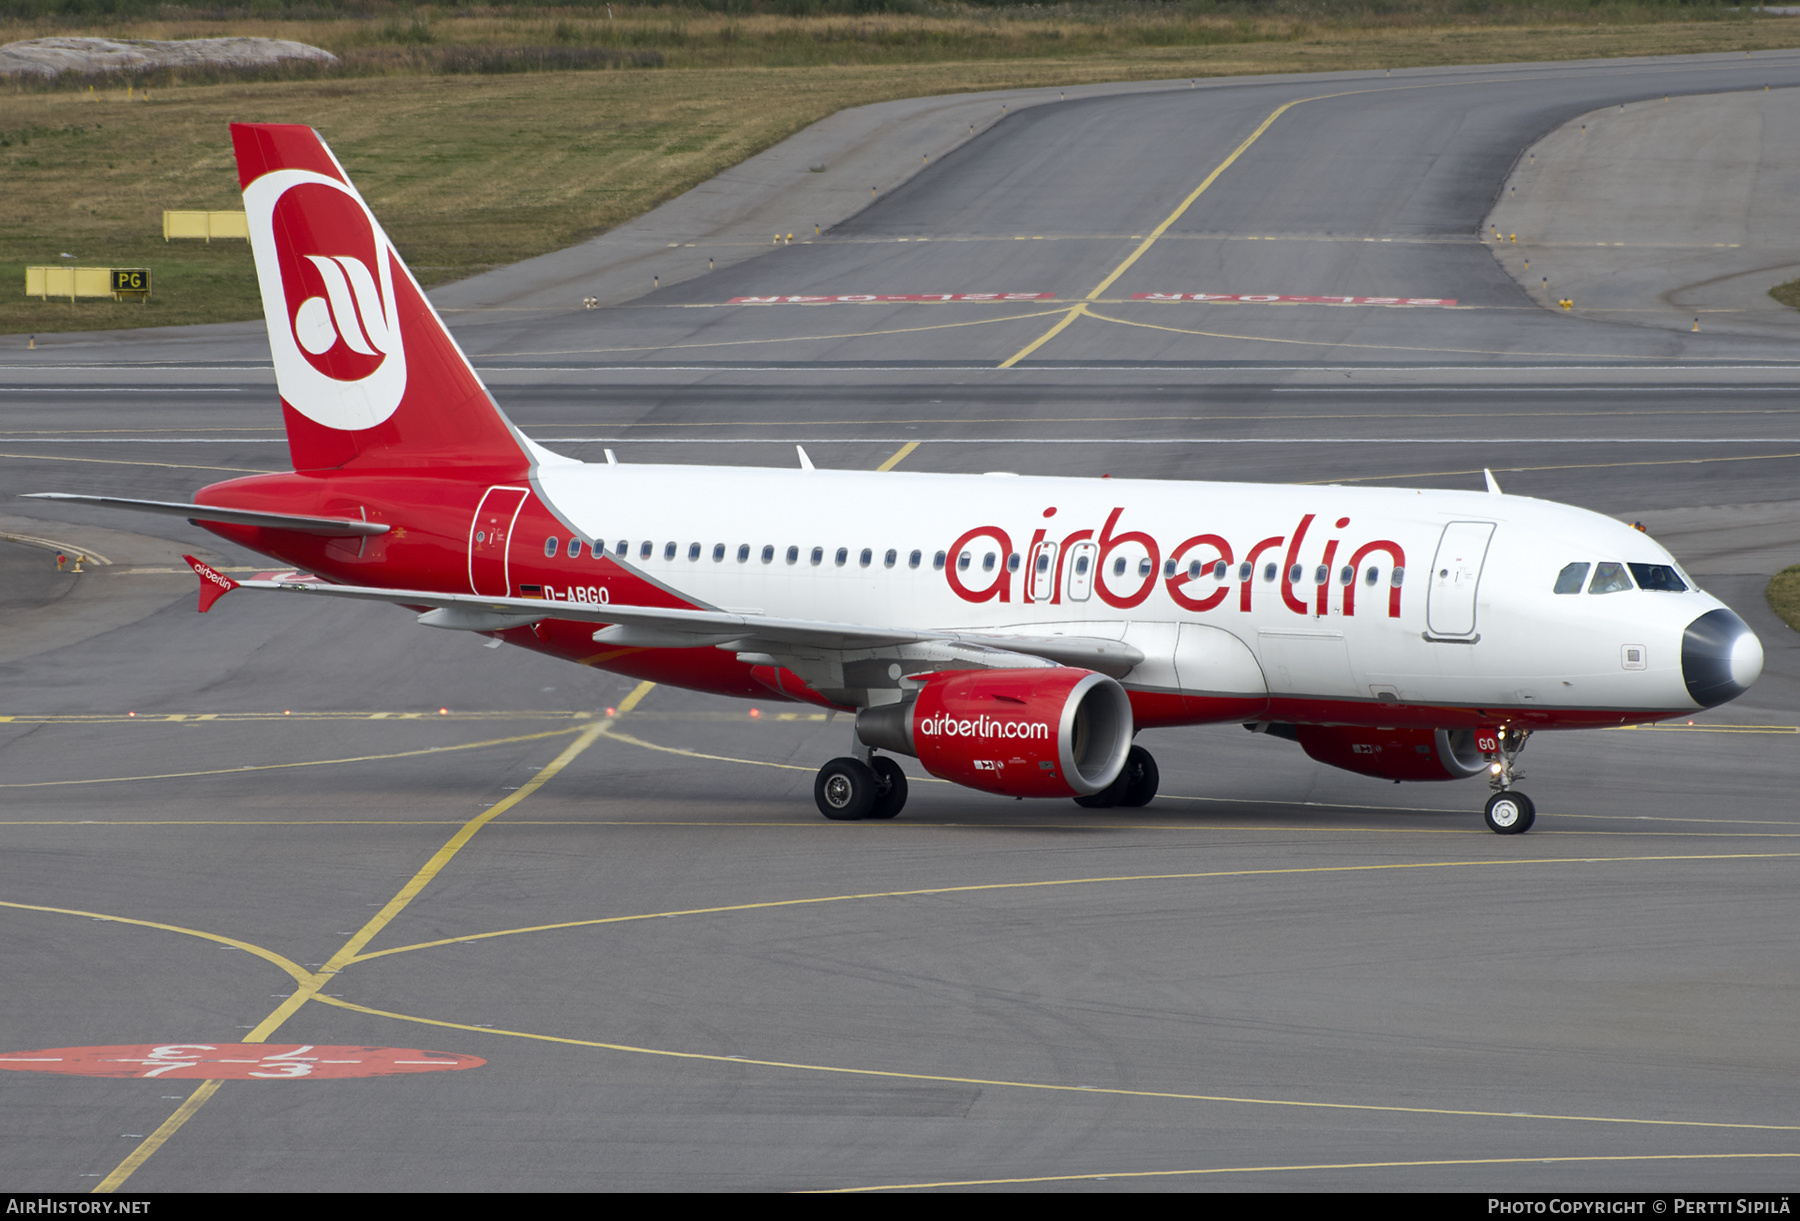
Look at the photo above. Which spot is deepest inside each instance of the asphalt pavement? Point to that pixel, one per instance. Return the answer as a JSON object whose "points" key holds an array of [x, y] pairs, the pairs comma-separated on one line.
{"points": [[318, 826]]}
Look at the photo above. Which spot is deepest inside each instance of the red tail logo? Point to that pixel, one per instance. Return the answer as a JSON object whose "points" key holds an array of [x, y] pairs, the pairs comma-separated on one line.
{"points": [[328, 290], [345, 322]]}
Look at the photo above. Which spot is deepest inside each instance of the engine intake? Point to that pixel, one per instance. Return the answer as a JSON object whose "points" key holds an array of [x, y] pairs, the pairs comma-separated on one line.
{"points": [[1050, 732]]}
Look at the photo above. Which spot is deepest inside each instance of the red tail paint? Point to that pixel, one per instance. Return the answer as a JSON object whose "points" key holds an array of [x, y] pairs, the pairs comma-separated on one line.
{"points": [[368, 374]]}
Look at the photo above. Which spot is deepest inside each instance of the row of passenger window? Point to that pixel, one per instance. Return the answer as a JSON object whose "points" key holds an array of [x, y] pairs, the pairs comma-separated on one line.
{"points": [[1610, 578], [647, 549], [1219, 569]]}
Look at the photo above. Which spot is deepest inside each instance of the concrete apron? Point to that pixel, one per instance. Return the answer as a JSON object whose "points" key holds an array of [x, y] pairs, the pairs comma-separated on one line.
{"points": [[1660, 213]]}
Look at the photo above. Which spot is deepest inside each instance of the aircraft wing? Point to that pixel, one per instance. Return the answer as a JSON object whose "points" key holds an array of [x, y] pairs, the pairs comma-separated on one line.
{"points": [[667, 627]]}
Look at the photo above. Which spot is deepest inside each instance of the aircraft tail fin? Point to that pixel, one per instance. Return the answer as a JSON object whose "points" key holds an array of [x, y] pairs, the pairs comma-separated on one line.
{"points": [[369, 375]]}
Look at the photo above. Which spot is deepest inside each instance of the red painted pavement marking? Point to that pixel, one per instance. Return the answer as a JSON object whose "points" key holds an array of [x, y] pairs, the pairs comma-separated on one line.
{"points": [[841, 298], [235, 1061], [1261, 298]]}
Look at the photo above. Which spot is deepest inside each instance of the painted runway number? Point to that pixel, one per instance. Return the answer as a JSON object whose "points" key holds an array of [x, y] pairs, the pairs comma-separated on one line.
{"points": [[235, 1061]]}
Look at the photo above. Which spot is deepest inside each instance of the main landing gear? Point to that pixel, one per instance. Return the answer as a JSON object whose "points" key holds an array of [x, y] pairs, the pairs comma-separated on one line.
{"points": [[1136, 785], [848, 789], [1508, 812]]}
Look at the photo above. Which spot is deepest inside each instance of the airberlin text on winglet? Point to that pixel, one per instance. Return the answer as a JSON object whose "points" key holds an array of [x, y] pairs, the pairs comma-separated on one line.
{"points": [[213, 583]]}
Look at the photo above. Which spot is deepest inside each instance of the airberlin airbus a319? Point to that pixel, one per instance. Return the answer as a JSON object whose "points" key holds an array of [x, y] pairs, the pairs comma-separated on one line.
{"points": [[1012, 634]]}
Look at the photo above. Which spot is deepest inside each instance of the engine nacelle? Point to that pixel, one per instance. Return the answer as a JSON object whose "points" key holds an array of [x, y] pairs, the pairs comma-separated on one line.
{"points": [[1050, 732], [1391, 754]]}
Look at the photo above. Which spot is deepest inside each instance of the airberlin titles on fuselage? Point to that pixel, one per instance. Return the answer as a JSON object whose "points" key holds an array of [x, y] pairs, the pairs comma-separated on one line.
{"points": [[1082, 563], [1080, 560]]}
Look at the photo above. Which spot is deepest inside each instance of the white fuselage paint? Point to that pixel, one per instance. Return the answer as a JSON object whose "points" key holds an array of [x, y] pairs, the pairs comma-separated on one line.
{"points": [[1478, 620]]}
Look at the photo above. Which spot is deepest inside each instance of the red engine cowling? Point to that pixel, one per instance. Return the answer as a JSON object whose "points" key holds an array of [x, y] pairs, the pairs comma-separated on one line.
{"points": [[1052, 732], [1395, 754]]}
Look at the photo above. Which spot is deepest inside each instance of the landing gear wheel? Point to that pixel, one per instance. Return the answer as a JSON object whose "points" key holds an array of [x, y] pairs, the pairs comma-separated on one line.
{"points": [[845, 790], [890, 787], [1510, 813], [1141, 778]]}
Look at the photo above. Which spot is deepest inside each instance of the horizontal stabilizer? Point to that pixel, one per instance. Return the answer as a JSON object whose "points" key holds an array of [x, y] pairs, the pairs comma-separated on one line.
{"points": [[299, 523]]}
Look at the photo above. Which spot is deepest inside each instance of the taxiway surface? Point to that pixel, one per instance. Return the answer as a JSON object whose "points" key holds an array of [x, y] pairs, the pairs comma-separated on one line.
{"points": [[1276, 977]]}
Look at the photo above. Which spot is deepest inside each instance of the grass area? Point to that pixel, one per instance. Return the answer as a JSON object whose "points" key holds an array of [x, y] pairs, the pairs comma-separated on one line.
{"points": [[1784, 596], [471, 169], [1787, 294], [377, 38]]}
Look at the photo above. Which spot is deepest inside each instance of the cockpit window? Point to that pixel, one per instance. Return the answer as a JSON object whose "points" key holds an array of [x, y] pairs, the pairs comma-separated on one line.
{"points": [[1609, 579], [1569, 580], [1658, 576]]}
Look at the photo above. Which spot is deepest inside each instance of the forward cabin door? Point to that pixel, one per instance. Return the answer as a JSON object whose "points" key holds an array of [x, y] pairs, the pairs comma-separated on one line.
{"points": [[1455, 577], [489, 535]]}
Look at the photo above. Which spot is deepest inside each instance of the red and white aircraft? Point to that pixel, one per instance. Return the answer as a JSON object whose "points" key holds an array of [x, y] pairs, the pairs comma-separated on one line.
{"points": [[1011, 633]]}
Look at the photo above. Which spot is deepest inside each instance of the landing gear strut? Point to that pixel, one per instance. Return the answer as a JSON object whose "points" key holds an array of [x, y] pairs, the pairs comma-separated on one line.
{"points": [[848, 789], [1508, 812]]}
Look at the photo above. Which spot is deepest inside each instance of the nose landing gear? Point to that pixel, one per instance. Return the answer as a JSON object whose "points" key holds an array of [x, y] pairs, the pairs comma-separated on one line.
{"points": [[1508, 812]]}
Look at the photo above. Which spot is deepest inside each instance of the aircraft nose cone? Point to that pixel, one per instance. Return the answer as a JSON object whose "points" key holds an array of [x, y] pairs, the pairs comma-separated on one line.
{"points": [[1720, 658]]}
